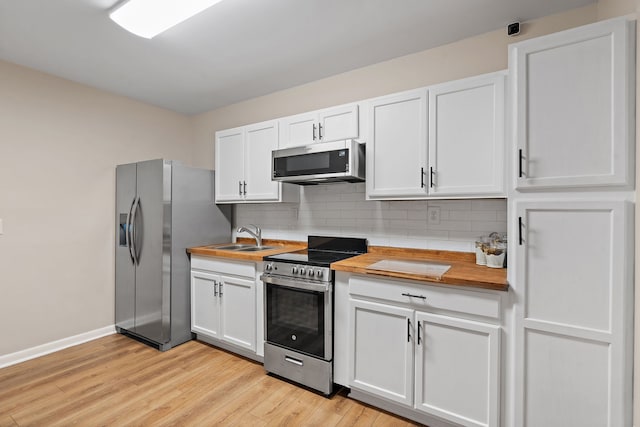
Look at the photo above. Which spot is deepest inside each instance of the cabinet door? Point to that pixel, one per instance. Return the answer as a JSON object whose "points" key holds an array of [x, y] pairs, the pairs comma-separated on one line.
{"points": [[261, 139], [458, 369], [229, 165], [574, 313], [238, 311], [573, 99], [205, 310], [466, 137], [397, 146], [381, 356], [338, 123], [297, 130]]}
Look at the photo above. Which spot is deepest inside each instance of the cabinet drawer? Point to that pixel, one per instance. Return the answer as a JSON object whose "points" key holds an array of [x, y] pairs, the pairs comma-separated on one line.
{"points": [[485, 304], [224, 266]]}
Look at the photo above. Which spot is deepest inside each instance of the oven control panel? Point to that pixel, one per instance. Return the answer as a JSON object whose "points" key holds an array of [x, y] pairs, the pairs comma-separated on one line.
{"points": [[309, 272]]}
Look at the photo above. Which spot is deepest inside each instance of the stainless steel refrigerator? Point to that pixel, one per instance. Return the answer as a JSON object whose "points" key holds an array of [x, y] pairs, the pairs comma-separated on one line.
{"points": [[162, 208]]}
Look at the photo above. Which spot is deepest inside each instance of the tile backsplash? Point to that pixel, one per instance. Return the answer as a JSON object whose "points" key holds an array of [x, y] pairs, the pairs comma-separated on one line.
{"points": [[341, 210]]}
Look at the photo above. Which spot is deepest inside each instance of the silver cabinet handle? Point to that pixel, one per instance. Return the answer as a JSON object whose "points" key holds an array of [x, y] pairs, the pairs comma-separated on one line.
{"points": [[245, 187], [294, 361], [431, 175], [134, 233], [319, 131], [414, 296], [215, 288], [314, 131], [408, 330], [240, 188], [220, 288], [419, 327], [127, 234]]}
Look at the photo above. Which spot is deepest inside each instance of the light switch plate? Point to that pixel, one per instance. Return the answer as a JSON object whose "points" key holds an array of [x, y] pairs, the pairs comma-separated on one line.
{"points": [[433, 215]]}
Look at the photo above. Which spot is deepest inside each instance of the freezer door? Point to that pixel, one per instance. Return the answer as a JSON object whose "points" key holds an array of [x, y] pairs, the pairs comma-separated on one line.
{"points": [[125, 268], [152, 242]]}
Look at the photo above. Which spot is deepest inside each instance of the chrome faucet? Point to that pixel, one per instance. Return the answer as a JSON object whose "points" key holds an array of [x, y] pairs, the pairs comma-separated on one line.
{"points": [[256, 235]]}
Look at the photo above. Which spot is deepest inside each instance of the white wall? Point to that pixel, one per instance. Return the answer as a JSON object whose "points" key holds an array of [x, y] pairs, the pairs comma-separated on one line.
{"points": [[59, 145], [468, 57]]}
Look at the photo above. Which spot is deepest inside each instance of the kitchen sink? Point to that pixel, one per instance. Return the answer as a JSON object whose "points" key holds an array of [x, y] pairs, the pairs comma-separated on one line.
{"points": [[234, 247], [256, 248], [242, 247]]}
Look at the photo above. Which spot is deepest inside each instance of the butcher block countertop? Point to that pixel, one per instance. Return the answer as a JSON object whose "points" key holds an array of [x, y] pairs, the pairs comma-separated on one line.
{"points": [[280, 247], [463, 271]]}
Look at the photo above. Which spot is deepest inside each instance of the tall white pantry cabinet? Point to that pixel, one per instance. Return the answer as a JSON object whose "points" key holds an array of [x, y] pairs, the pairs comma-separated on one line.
{"points": [[572, 233]]}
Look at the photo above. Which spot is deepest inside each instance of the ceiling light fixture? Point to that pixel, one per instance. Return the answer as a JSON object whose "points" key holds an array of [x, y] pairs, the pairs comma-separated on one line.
{"points": [[148, 18]]}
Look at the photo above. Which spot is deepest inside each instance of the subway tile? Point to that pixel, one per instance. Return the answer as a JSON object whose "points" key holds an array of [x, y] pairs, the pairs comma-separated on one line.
{"points": [[341, 209], [393, 214], [488, 204], [488, 226], [418, 215]]}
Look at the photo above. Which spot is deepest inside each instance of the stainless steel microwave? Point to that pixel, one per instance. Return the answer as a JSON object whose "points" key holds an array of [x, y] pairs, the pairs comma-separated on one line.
{"points": [[320, 163]]}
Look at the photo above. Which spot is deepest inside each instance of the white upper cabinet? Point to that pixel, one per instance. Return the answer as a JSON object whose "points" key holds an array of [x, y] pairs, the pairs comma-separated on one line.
{"points": [[466, 136], [331, 124], [397, 146], [229, 161], [446, 140], [260, 140], [243, 165], [573, 95]]}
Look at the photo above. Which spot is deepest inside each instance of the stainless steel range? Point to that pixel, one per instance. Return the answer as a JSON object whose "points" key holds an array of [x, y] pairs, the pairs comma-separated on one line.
{"points": [[299, 310]]}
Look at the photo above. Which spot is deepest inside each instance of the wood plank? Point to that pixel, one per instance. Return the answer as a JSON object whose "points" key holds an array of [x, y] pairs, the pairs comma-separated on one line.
{"points": [[116, 381], [463, 272]]}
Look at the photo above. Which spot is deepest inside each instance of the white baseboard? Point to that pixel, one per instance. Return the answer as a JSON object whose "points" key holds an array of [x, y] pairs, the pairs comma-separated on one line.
{"points": [[41, 350]]}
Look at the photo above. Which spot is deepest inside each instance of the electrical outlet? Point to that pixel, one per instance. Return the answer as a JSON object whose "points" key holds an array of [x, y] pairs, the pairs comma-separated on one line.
{"points": [[433, 215]]}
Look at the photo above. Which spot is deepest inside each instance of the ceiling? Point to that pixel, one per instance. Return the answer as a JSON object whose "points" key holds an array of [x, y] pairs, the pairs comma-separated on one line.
{"points": [[240, 49]]}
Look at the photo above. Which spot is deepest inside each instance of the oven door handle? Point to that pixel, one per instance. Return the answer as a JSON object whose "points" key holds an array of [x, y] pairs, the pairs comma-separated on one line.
{"points": [[295, 284]]}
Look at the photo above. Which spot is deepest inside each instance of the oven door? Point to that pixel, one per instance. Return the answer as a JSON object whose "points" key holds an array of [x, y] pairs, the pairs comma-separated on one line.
{"points": [[299, 315]]}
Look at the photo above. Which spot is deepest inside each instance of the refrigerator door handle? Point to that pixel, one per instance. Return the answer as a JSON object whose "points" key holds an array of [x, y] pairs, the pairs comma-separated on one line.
{"points": [[134, 248], [127, 233]]}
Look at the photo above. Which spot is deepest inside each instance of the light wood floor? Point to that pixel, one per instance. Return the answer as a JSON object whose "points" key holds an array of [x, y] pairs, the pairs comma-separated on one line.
{"points": [[116, 381]]}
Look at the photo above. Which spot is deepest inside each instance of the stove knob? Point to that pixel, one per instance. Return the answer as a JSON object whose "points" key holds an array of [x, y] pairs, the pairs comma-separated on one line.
{"points": [[319, 273], [302, 271], [268, 267], [294, 270], [310, 273]]}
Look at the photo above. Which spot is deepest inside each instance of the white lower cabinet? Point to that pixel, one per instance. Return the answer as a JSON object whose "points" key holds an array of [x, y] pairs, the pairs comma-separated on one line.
{"points": [[574, 313], [440, 365], [457, 369], [223, 306], [382, 350]]}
